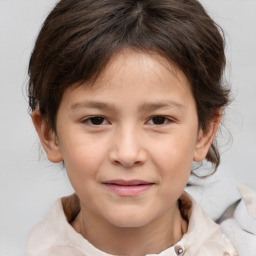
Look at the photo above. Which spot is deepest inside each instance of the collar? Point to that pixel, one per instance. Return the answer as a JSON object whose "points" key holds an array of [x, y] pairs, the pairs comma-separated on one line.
{"points": [[55, 234], [202, 233]]}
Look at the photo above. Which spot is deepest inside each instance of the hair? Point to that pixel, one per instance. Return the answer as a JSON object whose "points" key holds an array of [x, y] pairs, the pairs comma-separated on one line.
{"points": [[79, 37]]}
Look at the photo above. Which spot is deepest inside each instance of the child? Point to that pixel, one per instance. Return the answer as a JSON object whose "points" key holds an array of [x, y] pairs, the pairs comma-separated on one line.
{"points": [[127, 94]]}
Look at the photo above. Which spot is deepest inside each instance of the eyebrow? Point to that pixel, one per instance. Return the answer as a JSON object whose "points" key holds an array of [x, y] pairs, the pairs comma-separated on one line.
{"points": [[145, 107], [93, 104]]}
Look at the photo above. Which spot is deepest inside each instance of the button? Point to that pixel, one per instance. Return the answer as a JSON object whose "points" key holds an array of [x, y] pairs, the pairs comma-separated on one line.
{"points": [[179, 250]]}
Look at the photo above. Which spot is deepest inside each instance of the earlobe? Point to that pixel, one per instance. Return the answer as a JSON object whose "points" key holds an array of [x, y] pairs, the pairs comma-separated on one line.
{"points": [[205, 140], [47, 137]]}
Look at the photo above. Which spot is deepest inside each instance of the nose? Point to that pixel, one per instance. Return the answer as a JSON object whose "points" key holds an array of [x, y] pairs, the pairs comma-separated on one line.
{"points": [[127, 148]]}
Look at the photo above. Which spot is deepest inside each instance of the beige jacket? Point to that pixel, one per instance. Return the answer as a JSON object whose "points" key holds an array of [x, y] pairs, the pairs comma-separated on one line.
{"points": [[54, 236]]}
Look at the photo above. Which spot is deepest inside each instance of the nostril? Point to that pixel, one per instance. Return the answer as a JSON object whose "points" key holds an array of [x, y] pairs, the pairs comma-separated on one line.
{"points": [[138, 163], [127, 164]]}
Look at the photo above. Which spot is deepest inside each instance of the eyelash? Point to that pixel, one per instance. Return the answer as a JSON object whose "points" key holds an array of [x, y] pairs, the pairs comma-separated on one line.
{"points": [[95, 118], [160, 118], [100, 120]]}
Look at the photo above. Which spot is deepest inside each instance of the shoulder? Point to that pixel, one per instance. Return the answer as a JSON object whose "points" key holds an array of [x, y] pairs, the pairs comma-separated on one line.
{"points": [[239, 221], [204, 236], [54, 235], [45, 234]]}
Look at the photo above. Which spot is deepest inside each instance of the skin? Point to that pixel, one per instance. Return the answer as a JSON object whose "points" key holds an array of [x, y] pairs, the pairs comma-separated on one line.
{"points": [[129, 143]]}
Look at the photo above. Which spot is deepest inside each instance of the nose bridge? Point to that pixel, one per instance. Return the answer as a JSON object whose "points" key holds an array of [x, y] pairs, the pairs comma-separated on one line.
{"points": [[128, 147]]}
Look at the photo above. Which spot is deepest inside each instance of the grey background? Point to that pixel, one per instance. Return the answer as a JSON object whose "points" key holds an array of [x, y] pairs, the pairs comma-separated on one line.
{"points": [[29, 184]]}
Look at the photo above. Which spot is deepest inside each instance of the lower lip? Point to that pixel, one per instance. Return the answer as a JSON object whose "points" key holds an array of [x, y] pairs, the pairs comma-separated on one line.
{"points": [[133, 190]]}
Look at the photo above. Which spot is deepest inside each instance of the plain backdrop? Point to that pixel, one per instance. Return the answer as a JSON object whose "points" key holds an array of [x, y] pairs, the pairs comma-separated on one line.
{"points": [[29, 184]]}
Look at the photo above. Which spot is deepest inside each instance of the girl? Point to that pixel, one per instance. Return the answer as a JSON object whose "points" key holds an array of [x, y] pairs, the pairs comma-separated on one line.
{"points": [[127, 94]]}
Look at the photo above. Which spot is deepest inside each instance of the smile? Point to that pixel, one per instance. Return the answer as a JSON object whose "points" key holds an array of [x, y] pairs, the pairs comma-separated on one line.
{"points": [[128, 187]]}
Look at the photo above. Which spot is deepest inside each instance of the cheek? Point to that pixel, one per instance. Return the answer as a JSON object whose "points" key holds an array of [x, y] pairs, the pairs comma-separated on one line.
{"points": [[174, 157], [82, 161]]}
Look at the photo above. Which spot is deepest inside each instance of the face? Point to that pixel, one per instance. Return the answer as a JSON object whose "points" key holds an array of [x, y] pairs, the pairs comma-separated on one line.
{"points": [[129, 141]]}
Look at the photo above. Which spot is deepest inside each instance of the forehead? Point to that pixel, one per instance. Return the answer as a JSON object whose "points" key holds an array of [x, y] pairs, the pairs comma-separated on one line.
{"points": [[144, 65], [134, 75]]}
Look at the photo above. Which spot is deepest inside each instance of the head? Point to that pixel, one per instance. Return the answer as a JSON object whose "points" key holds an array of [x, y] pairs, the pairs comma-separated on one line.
{"points": [[133, 58], [79, 38]]}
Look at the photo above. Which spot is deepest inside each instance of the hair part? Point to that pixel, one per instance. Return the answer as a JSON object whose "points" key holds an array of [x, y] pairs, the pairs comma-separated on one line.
{"points": [[79, 37]]}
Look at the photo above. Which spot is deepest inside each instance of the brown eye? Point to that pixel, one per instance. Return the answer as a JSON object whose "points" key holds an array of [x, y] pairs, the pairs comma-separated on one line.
{"points": [[159, 120], [95, 120]]}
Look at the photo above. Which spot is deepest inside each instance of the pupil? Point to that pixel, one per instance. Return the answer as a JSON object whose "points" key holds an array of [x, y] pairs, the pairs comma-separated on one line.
{"points": [[158, 120], [97, 120]]}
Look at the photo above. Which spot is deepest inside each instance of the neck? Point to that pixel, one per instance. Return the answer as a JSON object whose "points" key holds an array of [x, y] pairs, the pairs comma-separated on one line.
{"points": [[149, 239]]}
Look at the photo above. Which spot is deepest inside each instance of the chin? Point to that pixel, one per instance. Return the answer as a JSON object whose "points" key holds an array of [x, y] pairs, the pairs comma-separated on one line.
{"points": [[129, 220]]}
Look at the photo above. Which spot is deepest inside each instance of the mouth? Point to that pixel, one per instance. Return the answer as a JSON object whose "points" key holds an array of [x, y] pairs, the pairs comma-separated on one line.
{"points": [[128, 187]]}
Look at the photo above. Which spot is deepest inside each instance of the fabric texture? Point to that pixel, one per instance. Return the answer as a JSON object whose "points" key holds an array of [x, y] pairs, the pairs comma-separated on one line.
{"points": [[239, 222], [232, 206], [55, 236]]}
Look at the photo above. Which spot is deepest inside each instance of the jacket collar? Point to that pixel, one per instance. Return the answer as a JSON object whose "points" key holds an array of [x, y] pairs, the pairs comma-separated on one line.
{"points": [[203, 233]]}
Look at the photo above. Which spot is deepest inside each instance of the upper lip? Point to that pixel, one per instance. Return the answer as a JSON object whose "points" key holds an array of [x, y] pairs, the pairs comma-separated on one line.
{"points": [[127, 182]]}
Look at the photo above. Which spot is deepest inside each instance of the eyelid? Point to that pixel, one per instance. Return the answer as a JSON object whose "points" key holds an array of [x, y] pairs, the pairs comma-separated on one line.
{"points": [[167, 120], [89, 119]]}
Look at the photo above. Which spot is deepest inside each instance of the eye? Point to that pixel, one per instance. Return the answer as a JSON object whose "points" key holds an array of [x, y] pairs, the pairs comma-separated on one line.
{"points": [[95, 120], [159, 120]]}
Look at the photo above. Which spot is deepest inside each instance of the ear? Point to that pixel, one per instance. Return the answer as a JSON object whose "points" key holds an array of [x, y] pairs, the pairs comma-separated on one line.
{"points": [[47, 137], [205, 139]]}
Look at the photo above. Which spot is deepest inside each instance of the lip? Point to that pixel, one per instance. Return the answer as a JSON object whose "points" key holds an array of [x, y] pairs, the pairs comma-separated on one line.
{"points": [[128, 187]]}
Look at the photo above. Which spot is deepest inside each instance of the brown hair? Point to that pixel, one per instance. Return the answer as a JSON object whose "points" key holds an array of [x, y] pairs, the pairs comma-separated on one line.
{"points": [[79, 37]]}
